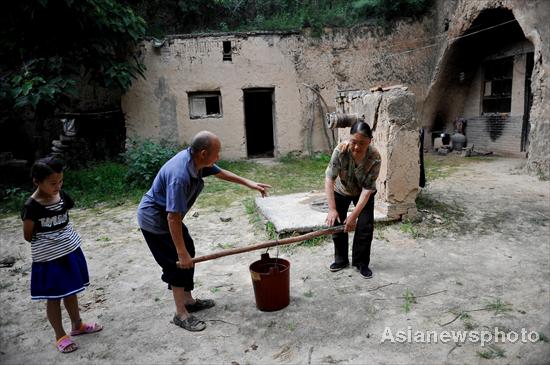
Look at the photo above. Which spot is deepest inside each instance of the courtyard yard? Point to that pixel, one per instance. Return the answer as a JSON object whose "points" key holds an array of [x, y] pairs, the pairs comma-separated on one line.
{"points": [[478, 259]]}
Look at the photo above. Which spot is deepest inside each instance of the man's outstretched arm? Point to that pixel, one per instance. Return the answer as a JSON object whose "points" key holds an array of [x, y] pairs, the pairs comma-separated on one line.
{"points": [[231, 177]]}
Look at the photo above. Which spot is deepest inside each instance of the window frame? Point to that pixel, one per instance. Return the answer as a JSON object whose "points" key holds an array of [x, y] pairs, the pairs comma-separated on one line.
{"points": [[194, 98], [506, 79], [227, 55]]}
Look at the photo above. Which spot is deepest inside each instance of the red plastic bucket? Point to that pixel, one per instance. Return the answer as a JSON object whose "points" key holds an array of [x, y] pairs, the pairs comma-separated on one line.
{"points": [[271, 281]]}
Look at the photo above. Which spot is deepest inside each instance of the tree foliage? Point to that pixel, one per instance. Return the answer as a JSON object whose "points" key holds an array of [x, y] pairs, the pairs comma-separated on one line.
{"points": [[48, 46], [188, 16], [389, 9]]}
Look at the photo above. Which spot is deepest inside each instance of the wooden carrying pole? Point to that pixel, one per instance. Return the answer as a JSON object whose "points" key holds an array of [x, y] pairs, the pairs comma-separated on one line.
{"points": [[284, 241]]}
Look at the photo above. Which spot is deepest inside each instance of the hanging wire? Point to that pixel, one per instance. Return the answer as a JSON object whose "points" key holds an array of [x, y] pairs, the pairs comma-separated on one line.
{"points": [[448, 40], [374, 58], [390, 45], [382, 58]]}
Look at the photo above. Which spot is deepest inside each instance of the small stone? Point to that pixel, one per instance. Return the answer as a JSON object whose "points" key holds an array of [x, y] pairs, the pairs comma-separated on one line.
{"points": [[7, 261], [195, 214], [226, 219]]}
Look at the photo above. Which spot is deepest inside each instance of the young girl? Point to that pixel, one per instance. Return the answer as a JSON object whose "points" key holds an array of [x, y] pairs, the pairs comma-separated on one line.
{"points": [[59, 269]]}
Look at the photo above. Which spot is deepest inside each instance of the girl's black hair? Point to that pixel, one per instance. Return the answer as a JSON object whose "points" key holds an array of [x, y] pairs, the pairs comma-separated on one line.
{"points": [[44, 167], [361, 128]]}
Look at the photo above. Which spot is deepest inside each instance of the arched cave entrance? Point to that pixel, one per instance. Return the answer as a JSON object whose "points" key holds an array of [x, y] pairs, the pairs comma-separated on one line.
{"points": [[484, 78]]}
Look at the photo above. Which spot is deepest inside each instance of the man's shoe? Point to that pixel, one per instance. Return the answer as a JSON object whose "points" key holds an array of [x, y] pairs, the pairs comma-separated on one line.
{"points": [[191, 323], [199, 305], [337, 266], [365, 272]]}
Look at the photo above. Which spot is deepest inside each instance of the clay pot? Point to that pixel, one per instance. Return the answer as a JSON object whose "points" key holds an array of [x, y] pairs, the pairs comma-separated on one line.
{"points": [[458, 140]]}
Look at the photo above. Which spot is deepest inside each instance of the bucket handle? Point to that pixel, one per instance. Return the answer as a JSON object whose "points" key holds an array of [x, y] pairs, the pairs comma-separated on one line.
{"points": [[273, 269], [265, 256], [276, 257]]}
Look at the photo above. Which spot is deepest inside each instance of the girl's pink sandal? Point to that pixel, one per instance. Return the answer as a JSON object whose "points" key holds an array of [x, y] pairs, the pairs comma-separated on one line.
{"points": [[86, 328], [64, 345]]}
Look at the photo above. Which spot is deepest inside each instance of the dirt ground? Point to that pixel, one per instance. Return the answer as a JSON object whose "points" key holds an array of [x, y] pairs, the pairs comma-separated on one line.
{"points": [[490, 264]]}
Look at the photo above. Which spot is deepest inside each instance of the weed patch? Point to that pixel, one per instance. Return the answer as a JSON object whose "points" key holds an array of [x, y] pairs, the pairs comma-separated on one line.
{"points": [[543, 337], [379, 233], [499, 306], [437, 218], [408, 227], [409, 300], [542, 174], [225, 246], [492, 352]]}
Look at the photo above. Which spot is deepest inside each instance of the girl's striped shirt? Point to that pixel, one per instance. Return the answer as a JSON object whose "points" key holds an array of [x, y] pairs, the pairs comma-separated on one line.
{"points": [[53, 235]]}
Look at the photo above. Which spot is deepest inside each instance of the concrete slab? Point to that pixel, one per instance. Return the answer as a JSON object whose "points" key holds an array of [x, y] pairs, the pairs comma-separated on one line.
{"points": [[300, 212]]}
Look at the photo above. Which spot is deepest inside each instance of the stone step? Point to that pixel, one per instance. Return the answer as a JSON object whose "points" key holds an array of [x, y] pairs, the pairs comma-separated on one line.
{"points": [[65, 138], [57, 155], [57, 149], [59, 144]]}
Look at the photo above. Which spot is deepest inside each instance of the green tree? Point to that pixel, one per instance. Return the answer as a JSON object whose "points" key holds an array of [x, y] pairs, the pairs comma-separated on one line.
{"points": [[188, 16], [390, 9], [48, 46]]}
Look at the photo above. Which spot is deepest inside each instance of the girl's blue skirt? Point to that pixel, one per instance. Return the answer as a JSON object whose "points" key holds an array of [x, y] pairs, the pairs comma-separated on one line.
{"points": [[59, 278]]}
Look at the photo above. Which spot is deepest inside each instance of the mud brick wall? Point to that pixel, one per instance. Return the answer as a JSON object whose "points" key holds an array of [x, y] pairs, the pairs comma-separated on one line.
{"points": [[501, 135]]}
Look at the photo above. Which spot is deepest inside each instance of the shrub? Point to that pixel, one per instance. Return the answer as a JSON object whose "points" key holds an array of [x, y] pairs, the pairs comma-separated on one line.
{"points": [[103, 182], [144, 159], [13, 198]]}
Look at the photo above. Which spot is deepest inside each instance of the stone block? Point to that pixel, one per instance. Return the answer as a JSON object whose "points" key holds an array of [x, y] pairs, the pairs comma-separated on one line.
{"points": [[397, 139]]}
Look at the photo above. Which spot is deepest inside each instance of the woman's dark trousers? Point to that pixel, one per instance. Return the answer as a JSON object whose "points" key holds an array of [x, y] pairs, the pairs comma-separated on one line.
{"points": [[364, 230]]}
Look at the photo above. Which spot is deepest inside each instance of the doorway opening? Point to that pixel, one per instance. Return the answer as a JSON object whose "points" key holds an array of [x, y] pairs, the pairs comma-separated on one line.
{"points": [[258, 121]]}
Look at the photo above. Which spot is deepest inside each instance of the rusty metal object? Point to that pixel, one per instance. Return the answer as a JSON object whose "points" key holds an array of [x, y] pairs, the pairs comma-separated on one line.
{"points": [[387, 88], [340, 120]]}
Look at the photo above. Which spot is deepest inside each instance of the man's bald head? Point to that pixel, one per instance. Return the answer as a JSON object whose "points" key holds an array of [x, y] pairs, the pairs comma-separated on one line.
{"points": [[204, 140]]}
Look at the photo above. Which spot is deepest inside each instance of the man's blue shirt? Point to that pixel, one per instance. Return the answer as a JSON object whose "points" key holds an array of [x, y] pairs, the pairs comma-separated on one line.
{"points": [[174, 190]]}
